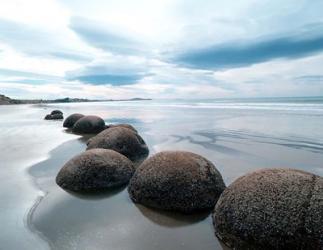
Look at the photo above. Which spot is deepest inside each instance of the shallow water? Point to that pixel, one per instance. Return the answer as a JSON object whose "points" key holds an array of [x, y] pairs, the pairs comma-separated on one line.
{"points": [[237, 136]]}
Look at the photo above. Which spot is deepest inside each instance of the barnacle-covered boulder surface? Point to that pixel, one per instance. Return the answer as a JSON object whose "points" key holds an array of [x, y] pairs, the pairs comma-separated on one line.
{"points": [[89, 124], [272, 209], [122, 140], [95, 170], [176, 180], [123, 125], [71, 120]]}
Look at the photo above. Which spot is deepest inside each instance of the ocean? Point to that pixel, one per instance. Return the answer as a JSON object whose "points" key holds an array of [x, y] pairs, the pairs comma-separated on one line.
{"points": [[237, 135]]}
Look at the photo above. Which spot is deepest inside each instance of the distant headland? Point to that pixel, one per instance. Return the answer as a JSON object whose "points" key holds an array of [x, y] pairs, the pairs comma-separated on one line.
{"points": [[4, 100]]}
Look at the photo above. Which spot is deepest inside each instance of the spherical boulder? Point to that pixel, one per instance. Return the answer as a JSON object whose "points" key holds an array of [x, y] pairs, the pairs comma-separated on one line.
{"points": [[176, 180], [56, 112], [95, 170], [71, 120], [54, 117], [123, 125], [89, 124], [122, 140], [272, 209]]}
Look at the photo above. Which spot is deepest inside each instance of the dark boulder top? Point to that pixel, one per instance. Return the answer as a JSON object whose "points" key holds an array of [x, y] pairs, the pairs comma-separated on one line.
{"points": [[176, 180], [95, 170], [71, 120], [54, 117], [272, 209], [89, 124], [56, 112], [123, 125], [122, 140]]}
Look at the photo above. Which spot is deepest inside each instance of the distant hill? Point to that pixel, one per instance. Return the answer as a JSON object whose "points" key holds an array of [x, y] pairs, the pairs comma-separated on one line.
{"points": [[4, 100]]}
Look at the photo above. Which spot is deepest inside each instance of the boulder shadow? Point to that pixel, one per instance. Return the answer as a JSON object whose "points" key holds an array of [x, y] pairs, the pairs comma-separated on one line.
{"points": [[137, 162], [172, 219], [84, 137]]}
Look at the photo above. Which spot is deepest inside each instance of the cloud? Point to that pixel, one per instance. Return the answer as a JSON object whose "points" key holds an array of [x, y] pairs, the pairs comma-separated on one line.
{"points": [[23, 77], [10, 72], [243, 53], [37, 42], [105, 37], [309, 79], [161, 49], [113, 70], [109, 79]]}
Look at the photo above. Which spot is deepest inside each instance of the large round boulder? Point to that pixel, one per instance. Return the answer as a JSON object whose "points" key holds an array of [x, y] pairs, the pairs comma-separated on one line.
{"points": [[122, 140], [95, 170], [272, 209], [71, 120], [176, 180], [89, 124]]}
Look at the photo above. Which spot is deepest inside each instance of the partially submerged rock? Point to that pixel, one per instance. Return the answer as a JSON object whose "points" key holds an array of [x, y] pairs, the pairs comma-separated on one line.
{"points": [[272, 209], [176, 180], [56, 112], [71, 120], [94, 170], [54, 117], [122, 140], [89, 124]]}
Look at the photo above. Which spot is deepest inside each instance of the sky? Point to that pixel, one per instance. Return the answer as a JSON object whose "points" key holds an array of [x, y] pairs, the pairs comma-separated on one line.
{"points": [[118, 49]]}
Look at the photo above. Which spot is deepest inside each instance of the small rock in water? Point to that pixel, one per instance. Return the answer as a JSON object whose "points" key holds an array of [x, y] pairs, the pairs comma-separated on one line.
{"points": [[176, 180], [54, 117], [272, 209], [121, 139], [95, 170], [89, 124], [56, 112], [71, 120]]}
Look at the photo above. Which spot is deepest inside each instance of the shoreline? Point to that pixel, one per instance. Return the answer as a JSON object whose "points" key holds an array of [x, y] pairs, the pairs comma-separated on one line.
{"points": [[30, 213], [4, 100], [29, 218]]}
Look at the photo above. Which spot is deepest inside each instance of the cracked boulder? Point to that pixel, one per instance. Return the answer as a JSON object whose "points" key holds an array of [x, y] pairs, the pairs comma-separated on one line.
{"points": [[95, 170], [176, 180], [272, 209]]}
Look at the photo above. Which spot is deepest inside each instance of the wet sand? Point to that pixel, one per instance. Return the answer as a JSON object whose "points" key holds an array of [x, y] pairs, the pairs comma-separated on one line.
{"points": [[24, 140], [236, 140], [110, 220]]}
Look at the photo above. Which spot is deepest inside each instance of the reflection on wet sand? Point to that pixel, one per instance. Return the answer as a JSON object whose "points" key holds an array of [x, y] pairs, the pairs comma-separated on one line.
{"points": [[171, 219], [94, 195]]}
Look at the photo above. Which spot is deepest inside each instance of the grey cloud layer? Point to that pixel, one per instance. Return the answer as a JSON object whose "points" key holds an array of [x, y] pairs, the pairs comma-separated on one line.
{"points": [[95, 34], [36, 42], [243, 53]]}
